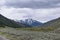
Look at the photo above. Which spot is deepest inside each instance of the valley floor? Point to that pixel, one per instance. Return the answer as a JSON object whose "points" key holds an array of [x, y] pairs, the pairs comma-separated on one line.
{"points": [[15, 34]]}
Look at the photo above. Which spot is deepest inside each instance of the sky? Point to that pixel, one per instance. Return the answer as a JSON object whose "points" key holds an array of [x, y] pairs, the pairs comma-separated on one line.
{"points": [[41, 10]]}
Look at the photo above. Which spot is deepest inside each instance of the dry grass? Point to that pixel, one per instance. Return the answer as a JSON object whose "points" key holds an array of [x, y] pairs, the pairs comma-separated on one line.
{"points": [[28, 34]]}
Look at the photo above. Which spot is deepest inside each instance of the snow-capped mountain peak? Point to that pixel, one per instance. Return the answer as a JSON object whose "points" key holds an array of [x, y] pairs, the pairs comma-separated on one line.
{"points": [[30, 22]]}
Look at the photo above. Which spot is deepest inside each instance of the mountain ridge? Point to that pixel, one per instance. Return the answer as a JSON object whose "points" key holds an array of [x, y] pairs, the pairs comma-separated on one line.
{"points": [[7, 22], [30, 22]]}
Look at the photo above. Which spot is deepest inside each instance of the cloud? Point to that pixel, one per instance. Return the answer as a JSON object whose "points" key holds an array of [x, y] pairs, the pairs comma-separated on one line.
{"points": [[2, 2], [41, 10], [42, 15], [33, 3]]}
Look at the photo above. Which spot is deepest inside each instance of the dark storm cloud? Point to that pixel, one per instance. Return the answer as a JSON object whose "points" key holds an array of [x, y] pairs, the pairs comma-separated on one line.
{"points": [[33, 3]]}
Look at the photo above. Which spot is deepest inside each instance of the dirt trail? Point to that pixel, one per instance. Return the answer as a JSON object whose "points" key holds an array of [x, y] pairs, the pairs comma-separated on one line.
{"points": [[2, 38]]}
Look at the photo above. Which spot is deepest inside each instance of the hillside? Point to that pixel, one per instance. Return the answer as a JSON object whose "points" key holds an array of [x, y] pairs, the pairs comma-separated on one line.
{"points": [[53, 23], [7, 22]]}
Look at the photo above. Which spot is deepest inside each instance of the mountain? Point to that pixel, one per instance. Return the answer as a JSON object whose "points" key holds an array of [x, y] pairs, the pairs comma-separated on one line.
{"points": [[30, 22], [7, 22], [53, 23]]}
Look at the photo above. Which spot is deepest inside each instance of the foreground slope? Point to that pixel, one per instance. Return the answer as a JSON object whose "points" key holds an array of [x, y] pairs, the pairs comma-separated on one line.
{"points": [[14, 34], [7, 22]]}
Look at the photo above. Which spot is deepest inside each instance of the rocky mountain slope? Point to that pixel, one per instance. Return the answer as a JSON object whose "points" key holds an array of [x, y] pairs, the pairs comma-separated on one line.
{"points": [[30, 22]]}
